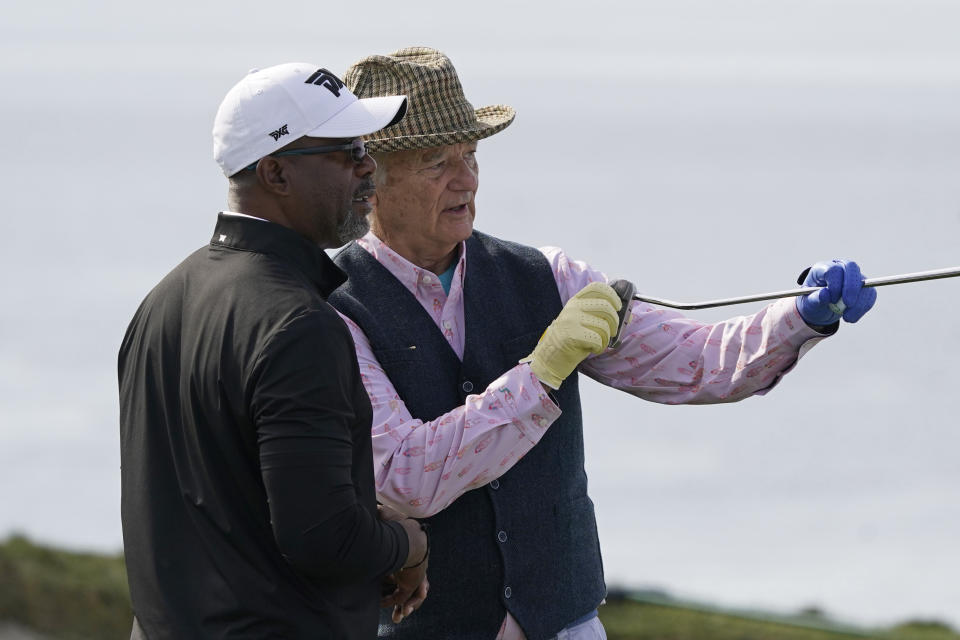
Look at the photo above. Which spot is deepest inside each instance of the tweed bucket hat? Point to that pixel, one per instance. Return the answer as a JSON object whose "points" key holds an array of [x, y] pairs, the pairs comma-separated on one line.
{"points": [[437, 111]]}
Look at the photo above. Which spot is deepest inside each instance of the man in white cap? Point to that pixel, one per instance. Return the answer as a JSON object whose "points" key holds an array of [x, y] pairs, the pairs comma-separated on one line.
{"points": [[467, 437], [248, 500]]}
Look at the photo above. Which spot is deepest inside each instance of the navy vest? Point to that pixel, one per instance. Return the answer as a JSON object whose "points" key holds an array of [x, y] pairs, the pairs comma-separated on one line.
{"points": [[526, 542]]}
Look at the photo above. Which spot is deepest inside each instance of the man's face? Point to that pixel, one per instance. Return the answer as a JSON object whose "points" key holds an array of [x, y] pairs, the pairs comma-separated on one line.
{"points": [[330, 192], [425, 204]]}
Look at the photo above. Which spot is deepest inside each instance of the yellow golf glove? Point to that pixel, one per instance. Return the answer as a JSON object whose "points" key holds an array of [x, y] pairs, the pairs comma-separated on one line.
{"points": [[584, 326]]}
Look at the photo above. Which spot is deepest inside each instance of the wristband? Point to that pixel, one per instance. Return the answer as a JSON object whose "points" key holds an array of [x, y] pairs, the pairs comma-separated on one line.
{"points": [[426, 554]]}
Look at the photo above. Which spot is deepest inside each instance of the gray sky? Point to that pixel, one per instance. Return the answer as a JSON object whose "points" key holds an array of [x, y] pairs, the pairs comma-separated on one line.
{"points": [[700, 148]]}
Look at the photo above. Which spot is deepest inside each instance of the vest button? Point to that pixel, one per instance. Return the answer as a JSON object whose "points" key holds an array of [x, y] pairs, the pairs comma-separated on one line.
{"points": [[495, 484], [502, 536], [507, 592], [467, 386]]}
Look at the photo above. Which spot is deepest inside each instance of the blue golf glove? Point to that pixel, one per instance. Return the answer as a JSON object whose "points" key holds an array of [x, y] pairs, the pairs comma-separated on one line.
{"points": [[843, 294]]}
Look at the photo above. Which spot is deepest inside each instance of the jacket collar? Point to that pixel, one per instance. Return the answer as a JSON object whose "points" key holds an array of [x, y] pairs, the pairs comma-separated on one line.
{"points": [[245, 233]]}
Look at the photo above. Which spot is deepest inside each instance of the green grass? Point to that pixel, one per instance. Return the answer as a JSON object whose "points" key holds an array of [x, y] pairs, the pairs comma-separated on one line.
{"points": [[83, 596], [74, 596], [627, 619]]}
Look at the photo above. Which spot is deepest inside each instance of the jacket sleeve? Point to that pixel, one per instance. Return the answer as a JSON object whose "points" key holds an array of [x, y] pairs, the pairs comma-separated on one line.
{"points": [[303, 399]]}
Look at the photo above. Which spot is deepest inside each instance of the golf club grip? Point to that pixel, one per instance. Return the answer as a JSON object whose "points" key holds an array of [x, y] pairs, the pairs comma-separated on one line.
{"points": [[625, 291]]}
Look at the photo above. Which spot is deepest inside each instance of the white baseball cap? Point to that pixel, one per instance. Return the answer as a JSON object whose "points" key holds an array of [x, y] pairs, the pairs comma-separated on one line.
{"points": [[272, 107]]}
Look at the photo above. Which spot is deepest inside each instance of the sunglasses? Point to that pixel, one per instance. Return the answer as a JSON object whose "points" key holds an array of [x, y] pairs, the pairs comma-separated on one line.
{"points": [[358, 151]]}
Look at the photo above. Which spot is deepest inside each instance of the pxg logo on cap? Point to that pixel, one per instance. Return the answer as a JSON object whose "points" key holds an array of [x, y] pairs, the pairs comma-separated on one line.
{"points": [[269, 108], [324, 78]]}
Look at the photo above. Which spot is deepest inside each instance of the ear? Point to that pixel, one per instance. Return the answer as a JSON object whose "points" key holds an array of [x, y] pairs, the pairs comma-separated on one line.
{"points": [[272, 174]]}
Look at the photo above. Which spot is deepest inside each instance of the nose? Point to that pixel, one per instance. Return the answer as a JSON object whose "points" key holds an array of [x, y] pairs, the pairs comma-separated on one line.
{"points": [[466, 177], [366, 166]]}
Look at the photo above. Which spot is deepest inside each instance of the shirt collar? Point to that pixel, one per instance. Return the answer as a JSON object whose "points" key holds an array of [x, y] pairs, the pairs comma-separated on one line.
{"points": [[409, 274], [244, 215], [247, 233]]}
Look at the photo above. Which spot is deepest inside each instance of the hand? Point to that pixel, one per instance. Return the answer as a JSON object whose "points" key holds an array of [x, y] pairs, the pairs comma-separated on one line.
{"points": [[389, 514], [843, 295], [409, 592], [407, 588], [584, 326]]}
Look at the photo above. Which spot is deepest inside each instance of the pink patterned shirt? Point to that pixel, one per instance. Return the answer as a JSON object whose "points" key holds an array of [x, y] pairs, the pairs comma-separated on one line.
{"points": [[421, 467]]}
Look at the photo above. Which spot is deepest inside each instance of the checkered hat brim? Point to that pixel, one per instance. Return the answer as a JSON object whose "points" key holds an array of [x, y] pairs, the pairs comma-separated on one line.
{"points": [[438, 113]]}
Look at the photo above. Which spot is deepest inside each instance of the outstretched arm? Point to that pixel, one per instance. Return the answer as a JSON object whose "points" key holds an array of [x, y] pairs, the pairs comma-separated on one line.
{"points": [[668, 358]]}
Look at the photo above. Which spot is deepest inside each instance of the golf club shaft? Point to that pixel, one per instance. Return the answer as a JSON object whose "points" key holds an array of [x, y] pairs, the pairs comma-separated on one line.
{"points": [[935, 274]]}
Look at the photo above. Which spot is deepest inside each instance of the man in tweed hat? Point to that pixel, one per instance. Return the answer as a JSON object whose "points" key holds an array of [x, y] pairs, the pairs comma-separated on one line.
{"points": [[489, 451]]}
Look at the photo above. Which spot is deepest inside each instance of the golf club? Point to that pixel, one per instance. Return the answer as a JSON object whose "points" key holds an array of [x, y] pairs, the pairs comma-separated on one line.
{"points": [[935, 274]]}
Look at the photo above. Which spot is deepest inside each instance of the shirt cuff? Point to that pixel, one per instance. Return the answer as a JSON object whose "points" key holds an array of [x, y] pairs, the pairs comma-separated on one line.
{"points": [[534, 409], [793, 329]]}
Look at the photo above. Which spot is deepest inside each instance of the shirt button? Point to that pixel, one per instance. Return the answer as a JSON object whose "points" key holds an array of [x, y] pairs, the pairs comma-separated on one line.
{"points": [[447, 324], [427, 279], [502, 536], [467, 386], [507, 592], [495, 484]]}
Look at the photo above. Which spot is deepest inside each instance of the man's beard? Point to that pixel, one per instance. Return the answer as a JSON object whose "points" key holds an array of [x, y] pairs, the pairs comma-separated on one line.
{"points": [[352, 226]]}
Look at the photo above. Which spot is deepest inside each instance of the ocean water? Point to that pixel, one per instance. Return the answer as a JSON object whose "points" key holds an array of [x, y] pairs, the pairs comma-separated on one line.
{"points": [[700, 149]]}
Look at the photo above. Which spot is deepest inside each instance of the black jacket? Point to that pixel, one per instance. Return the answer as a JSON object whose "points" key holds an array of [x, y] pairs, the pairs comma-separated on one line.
{"points": [[248, 499]]}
